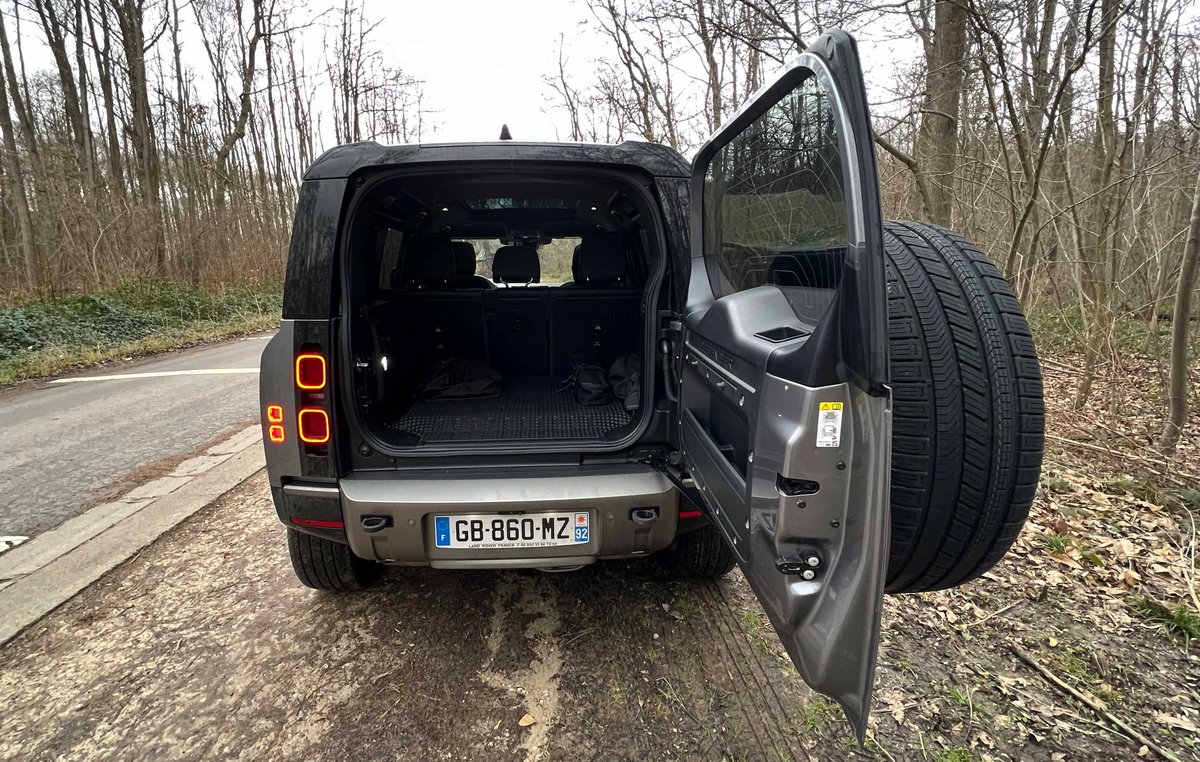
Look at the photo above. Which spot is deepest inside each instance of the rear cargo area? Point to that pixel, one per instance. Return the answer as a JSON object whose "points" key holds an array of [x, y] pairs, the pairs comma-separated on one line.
{"points": [[528, 408], [506, 309]]}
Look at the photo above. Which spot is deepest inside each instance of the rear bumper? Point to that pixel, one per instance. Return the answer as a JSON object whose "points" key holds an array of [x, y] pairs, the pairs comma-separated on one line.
{"points": [[408, 502]]}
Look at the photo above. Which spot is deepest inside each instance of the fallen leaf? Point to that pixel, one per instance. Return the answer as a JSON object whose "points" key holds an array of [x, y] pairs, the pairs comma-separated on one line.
{"points": [[1177, 722], [527, 720], [1062, 559]]}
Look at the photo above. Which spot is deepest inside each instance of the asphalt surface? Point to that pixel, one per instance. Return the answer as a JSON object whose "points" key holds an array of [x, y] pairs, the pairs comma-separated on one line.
{"points": [[67, 444]]}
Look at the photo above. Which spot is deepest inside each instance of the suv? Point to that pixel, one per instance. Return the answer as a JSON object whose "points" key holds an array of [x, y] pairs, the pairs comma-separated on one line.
{"points": [[744, 364]]}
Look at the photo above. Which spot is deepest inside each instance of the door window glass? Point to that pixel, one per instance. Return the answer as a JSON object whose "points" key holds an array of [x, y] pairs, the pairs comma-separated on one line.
{"points": [[774, 205]]}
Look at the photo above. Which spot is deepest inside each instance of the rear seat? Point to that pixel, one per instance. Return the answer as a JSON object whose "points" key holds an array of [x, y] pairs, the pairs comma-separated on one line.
{"points": [[517, 314], [439, 321], [598, 318], [519, 328]]}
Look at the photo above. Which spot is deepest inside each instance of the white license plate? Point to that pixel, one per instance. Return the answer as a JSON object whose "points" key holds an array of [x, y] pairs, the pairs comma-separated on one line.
{"points": [[531, 530]]}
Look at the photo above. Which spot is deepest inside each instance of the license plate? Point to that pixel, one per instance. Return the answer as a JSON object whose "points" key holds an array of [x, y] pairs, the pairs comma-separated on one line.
{"points": [[489, 530]]}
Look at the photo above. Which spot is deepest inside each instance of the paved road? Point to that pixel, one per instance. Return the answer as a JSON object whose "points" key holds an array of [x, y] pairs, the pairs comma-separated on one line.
{"points": [[66, 444]]}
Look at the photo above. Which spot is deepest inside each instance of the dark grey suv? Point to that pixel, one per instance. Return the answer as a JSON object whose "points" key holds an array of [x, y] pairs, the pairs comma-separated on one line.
{"points": [[513, 355]]}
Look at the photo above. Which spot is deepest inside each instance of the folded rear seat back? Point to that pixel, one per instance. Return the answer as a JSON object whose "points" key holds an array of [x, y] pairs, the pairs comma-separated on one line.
{"points": [[517, 312], [435, 320], [598, 318]]}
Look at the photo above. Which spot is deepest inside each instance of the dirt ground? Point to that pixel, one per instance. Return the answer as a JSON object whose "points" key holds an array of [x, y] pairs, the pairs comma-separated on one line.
{"points": [[205, 647]]}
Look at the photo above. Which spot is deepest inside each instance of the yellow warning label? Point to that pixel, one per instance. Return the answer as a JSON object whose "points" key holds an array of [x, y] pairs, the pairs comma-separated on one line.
{"points": [[829, 425]]}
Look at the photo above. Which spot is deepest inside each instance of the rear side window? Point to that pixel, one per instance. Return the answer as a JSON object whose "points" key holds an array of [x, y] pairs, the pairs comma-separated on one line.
{"points": [[775, 211]]}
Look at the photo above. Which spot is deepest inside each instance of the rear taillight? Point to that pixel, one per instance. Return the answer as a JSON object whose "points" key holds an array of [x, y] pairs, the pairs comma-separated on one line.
{"points": [[312, 413], [310, 372], [314, 425]]}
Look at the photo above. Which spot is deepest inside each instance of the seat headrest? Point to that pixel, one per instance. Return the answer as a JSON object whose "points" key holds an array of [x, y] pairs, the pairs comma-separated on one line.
{"points": [[432, 261], [464, 259], [516, 265], [601, 260]]}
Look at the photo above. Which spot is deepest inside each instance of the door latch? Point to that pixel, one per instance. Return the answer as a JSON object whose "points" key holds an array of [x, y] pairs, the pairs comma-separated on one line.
{"points": [[805, 566], [793, 487]]}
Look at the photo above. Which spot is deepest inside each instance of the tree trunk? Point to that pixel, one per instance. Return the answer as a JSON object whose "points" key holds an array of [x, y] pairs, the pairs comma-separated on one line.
{"points": [[1177, 400], [936, 146], [20, 200], [145, 149]]}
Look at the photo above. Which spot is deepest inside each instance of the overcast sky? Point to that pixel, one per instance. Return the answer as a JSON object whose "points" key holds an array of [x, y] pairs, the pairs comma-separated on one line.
{"points": [[483, 62]]}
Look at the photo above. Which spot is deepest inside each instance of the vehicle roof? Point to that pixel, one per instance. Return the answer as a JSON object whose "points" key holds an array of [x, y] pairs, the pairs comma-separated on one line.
{"points": [[345, 160]]}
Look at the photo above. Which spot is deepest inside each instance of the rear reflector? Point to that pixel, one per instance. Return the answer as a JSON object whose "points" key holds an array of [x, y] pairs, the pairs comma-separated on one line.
{"points": [[313, 425], [310, 371], [690, 514], [317, 523], [274, 413], [275, 433]]}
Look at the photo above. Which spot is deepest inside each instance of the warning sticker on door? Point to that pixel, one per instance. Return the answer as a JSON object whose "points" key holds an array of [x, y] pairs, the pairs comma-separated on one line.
{"points": [[829, 425]]}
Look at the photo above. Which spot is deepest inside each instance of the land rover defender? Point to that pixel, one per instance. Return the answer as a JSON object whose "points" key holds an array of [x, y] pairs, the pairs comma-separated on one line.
{"points": [[515, 355]]}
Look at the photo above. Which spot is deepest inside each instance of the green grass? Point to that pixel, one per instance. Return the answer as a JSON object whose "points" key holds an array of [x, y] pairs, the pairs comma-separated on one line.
{"points": [[816, 713], [48, 336], [1057, 543], [1180, 622]]}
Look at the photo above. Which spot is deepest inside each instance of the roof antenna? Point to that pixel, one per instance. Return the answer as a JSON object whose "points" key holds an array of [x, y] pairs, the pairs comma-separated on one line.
{"points": [[504, 133]]}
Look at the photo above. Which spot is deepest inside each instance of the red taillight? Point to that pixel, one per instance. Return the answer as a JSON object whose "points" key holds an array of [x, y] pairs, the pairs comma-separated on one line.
{"points": [[690, 514], [314, 425], [310, 371], [275, 423]]}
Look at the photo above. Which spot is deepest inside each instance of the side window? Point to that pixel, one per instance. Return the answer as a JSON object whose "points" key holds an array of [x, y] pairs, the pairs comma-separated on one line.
{"points": [[774, 204], [556, 258]]}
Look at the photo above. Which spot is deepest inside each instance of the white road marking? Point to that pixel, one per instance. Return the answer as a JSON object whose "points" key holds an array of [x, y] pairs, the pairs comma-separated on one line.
{"points": [[159, 374], [8, 542]]}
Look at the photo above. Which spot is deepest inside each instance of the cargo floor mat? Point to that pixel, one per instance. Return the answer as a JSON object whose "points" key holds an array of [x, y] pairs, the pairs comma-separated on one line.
{"points": [[527, 409]]}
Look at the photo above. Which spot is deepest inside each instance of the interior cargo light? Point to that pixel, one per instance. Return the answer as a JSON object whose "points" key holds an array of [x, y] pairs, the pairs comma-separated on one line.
{"points": [[275, 433], [313, 425], [274, 413], [310, 371]]}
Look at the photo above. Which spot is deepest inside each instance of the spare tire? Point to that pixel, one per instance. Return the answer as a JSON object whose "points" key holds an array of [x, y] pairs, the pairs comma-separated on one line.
{"points": [[967, 425]]}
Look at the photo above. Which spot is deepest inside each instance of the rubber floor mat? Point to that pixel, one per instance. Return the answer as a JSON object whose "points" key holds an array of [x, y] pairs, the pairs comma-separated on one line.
{"points": [[527, 409]]}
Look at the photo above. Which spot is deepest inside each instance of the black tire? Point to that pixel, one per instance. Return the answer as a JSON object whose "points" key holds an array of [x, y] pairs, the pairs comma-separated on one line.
{"points": [[698, 554], [327, 565], [967, 426]]}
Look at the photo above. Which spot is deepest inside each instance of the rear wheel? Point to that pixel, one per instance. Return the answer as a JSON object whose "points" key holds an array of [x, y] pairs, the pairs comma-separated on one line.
{"points": [[327, 565], [967, 421], [698, 554]]}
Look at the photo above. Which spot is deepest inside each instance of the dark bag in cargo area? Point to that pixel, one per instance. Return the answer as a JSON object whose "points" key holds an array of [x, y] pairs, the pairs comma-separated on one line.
{"points": [[458, 379], [588, 384], [625, 378]]}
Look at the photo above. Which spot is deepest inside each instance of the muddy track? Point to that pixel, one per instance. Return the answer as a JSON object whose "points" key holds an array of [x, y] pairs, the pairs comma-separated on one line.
{"points": [[206, 647]]}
